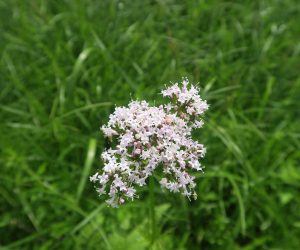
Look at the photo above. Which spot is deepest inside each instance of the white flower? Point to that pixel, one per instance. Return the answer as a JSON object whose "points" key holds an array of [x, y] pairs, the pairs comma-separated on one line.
{"points": [[103, 179], [149, 137], [108, 132], [130, 192], [94, 177], [126, 139], [163, 182], [101, 190]]}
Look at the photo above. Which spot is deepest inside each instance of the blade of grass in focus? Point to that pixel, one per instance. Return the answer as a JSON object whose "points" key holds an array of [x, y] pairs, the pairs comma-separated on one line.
{"points": [[90, 157]]}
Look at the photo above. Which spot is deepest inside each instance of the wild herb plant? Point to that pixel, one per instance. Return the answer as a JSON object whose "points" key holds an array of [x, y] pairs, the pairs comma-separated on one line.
{"points": [[148, 138]]}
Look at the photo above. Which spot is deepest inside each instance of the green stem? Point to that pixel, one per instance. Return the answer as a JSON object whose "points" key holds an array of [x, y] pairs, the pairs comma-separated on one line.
{"points": [[152, 210]]}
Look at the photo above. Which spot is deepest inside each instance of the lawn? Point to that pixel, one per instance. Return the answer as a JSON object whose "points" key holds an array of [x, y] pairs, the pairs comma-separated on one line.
{"points": [[65, 65]]}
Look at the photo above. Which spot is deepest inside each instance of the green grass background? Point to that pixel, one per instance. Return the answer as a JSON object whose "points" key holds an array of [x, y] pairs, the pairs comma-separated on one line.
{"points": [[65, 64]]}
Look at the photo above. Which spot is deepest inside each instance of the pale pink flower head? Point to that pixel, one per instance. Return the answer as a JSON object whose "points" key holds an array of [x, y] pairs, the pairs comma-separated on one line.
{"points": [[149, 138]]}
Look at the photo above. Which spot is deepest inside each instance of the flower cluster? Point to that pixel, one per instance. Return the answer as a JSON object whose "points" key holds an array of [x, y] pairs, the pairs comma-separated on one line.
{"points": [[152, 139]]}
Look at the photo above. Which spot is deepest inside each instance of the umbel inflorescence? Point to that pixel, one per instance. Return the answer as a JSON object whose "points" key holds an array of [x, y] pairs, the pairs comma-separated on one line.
{"points": [[153, 139]]}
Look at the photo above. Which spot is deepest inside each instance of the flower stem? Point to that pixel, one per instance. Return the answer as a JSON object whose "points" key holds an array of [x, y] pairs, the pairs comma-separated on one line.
{"points": [[152, 210]]}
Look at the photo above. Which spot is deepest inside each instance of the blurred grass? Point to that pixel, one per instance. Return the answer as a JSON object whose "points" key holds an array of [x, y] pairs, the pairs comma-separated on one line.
{"points": [[65, 64]]}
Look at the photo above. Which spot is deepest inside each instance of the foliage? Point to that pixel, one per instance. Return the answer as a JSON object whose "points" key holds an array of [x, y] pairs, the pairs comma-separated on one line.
{"points": [[64, 65]]}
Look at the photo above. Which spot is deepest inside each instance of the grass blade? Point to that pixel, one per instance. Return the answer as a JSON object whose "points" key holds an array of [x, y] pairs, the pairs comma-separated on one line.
{"points": [[87, 166]]}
